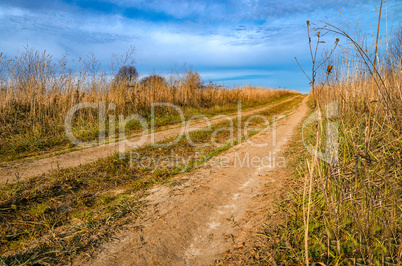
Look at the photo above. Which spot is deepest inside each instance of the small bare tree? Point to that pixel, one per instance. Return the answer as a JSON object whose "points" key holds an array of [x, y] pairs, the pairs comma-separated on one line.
{"points": [[127, 74]]}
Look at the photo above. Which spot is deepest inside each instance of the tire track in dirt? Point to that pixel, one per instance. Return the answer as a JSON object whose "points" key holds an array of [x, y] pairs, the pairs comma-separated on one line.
{"points": [[25, 169], [196, 222]]}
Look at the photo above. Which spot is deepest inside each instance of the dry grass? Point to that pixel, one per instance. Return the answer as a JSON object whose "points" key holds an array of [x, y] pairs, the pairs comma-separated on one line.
{"points": [[354, 206], [37, 92], [358, 201]]}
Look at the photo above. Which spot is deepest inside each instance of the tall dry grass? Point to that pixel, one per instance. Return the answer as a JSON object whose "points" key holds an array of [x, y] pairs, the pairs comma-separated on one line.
{"points": [[37, 91], [363, 194], [355, 206]]}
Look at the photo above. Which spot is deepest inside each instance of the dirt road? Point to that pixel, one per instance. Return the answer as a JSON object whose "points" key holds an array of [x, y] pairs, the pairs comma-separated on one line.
{"points": [[25, 169], [195, 222]]}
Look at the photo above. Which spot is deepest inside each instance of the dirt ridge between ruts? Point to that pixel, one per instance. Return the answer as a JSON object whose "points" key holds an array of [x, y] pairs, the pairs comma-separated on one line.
{"points": [[196, 222], [26, 169]]}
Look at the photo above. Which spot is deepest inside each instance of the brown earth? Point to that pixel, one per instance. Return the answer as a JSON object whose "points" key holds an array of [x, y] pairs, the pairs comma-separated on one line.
{"points": [[29, 168], [211, 211]]}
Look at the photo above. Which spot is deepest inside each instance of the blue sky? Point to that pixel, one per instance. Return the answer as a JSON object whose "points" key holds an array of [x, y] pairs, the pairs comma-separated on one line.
{"points": [[235, 42]]}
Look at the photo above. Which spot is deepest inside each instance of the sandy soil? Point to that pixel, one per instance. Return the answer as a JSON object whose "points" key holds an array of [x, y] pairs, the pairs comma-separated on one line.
{"points": [[25, 169], [209, 213]]}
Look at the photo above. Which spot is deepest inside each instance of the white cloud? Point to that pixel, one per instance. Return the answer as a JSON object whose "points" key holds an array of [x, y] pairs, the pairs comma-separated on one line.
{"points": [[6, 11]]}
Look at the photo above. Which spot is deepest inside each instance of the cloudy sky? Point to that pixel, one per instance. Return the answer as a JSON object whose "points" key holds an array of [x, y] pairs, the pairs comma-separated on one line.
{"points": [[232, 41]]}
